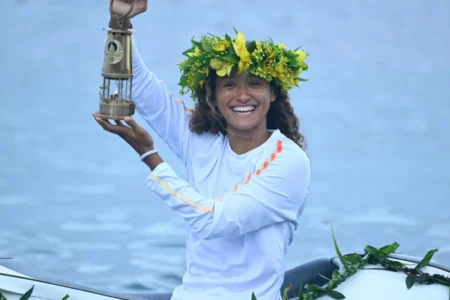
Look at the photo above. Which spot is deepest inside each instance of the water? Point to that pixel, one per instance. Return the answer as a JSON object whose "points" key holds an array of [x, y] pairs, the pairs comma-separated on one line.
{"points": [[375, 113]]}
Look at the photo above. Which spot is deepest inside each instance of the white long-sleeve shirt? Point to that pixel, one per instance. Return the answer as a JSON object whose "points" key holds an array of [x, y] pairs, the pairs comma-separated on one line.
{"points": [[241, 210]]}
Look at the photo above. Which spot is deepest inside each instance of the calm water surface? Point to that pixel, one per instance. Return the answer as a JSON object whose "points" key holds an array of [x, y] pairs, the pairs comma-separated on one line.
{"points": [[375, 113]]}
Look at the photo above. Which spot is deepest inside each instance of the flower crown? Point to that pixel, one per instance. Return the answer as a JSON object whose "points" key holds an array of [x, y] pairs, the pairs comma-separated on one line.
{"points": [[265, 59]]}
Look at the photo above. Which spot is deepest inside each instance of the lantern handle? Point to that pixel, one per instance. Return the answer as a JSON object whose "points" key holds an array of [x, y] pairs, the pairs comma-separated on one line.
{"points": [[120, 19]]}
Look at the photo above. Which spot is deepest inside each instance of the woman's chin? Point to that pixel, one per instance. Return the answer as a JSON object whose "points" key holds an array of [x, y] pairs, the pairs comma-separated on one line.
{"points": [[242, 126]]}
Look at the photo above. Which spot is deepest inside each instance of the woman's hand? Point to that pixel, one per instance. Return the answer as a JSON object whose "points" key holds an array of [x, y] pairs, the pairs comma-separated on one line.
{"points": [[120, 8], [134, 134]]}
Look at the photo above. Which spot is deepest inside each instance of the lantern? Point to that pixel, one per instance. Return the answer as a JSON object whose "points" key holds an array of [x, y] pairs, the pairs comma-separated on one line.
{"points": [[115, 93]]}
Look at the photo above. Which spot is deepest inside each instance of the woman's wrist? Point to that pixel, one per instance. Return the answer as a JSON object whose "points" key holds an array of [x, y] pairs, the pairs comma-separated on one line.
{"points": [[148, 153], [152, 161], [114, 23], [150, 157], [142, 150]]}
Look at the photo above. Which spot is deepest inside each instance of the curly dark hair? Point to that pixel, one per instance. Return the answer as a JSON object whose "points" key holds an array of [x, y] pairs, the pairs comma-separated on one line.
{"points": [[206, 117]]}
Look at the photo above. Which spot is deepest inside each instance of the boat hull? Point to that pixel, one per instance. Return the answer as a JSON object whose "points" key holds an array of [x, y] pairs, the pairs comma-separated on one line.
{"points": [[371, 283]]}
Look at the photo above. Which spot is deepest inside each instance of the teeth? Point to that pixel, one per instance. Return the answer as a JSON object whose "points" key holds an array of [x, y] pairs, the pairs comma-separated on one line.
{"points": [[244, 108]]}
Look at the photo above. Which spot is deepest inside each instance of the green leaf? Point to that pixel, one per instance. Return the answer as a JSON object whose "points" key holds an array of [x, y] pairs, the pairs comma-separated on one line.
{"points": [[253, 296], [409, 281], [314, 288], [199, 76], [335, 294], [374, 255], [208, 48], [353, 258], [286, 291], [251, 46], [183, 81], [27, 295], [422, 280], [389, 249], [338, 252], [394, 264], [328, 279], [375, 258], [65, 297], [370, 249], [2, 297], [426, 260], [336, 274], [198, 44], [251, 68], [231, 58], [300, 291]]}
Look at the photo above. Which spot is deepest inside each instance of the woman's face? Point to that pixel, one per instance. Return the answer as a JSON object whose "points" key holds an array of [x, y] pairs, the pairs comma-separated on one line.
{"points": [[244, 100]]}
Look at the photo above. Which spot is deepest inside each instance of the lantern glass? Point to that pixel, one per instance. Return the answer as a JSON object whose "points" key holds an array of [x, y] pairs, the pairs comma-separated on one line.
{"points": [[115, 92]]}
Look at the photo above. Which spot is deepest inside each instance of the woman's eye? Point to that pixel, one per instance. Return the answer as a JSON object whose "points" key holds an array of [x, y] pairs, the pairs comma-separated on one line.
{"points": [[229, 84], [255, 83]]}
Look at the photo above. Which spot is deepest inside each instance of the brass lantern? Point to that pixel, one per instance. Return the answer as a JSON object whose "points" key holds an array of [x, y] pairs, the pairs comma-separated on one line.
{"points": [[115, 93]]}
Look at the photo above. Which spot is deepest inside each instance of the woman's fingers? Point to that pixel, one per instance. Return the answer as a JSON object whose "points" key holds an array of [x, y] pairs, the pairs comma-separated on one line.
{"points": [[106, 125], [127, 8], [131, 122], [130, 131]]}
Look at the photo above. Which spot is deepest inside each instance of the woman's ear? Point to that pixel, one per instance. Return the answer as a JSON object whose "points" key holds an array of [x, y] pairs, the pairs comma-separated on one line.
{"points": [[273, 95]]}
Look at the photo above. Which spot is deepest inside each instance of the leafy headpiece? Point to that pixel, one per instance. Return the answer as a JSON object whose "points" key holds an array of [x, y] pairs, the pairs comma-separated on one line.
{"points": [[265, 59]]}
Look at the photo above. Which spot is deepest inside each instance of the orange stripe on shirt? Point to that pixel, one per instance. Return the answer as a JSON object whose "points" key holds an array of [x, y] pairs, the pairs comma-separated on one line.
{"points": [[248, 178], [179, 101], [265, 164]]}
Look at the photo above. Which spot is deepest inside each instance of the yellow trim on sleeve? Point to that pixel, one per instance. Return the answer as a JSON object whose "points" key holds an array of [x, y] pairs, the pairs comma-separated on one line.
{"points": [[179, 196]]}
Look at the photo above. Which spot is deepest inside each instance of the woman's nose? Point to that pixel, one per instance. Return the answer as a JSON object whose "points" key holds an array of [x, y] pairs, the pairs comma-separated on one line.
{"points": [[242, 92]]}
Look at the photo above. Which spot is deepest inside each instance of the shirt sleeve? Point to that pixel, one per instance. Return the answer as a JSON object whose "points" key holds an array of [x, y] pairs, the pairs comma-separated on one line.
{"points": [[160, 109], [274, 193]]}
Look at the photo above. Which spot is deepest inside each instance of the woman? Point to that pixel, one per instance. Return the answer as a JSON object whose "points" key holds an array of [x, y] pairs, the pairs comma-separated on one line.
{"points": [[247, 172]]}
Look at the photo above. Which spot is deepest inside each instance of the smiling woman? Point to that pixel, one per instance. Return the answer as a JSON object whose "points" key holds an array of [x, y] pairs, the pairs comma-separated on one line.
{"points": [[251, 78], [247, 172], [266, 105]]}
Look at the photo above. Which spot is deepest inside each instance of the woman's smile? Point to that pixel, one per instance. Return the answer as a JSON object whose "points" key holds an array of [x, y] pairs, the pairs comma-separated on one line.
{"points": [[243, 111]]}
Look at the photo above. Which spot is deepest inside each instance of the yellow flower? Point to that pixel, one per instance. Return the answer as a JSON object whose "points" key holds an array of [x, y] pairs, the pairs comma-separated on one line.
{"points": [[195, 53], [220, 45], [205, 71], [281, 69], [293, 81], [281, 66], [243, 65], [241, 50], [301, 55], [222, 68], [269, 66], [281, 46], [182, 64]]}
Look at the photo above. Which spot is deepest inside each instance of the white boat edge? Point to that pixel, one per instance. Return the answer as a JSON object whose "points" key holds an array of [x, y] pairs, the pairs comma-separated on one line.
{"points": [[371, 283]]}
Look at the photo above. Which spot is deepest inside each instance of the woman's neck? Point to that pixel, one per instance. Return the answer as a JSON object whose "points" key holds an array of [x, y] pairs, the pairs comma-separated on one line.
{"points": [[242, 143]]}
